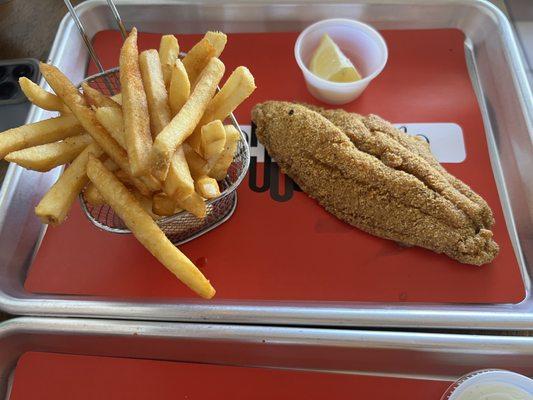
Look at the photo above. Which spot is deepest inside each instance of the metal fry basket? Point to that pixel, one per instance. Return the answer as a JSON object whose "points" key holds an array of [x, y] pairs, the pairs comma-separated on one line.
{"points": [[183, 226]]}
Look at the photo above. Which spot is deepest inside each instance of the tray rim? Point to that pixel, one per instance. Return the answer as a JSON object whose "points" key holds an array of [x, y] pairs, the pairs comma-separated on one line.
{"points": [[487, 316]]}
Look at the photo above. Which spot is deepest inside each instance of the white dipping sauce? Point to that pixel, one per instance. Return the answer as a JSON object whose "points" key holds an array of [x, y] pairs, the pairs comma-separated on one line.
{"points": [[492, 391]]}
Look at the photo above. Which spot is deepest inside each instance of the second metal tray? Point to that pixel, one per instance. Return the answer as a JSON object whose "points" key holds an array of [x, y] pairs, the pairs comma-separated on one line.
{"points": [[419, 356]]}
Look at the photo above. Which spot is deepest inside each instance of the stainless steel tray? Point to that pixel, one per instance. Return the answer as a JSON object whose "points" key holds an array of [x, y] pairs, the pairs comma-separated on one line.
{"points": [[504, 95], [376, 353]]}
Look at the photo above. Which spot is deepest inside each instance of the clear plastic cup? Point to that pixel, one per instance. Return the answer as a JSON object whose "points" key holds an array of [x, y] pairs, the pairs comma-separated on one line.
{"points": [[361, 43], [491, 384]]}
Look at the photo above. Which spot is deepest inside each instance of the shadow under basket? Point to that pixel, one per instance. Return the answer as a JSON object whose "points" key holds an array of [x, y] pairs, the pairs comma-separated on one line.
{"points": [[183, 226]]}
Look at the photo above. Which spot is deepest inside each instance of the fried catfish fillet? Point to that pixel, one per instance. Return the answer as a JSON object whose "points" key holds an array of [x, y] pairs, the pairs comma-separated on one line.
{"points": [[376, 184]]}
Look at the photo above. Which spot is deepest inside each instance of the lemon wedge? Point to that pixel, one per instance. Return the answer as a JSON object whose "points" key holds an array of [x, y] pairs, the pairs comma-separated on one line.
{"points": [[330, 63]]}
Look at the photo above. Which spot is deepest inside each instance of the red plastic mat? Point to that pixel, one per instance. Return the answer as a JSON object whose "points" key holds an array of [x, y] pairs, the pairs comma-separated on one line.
{"points": [[58, 376], [294, 250]]}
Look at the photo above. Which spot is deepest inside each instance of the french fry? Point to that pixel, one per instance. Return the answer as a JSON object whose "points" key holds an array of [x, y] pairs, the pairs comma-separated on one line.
{"points": [[92, 195], [47, 156], [194, 203], [144, 202], [156, 93], [125, 178], [169, 51], [95, 199], [183, 124], [179, 182], [218, 40], [213, 139], [197, 165], [146, 230], [239, 86], [163, 205], [111, 120], [87, 118], [41, 98], [55, 205], [42, 132], [98, 99], [180, 87], [197, 59], [117, 98], [220, 167], [134, 108], [207, 187]]}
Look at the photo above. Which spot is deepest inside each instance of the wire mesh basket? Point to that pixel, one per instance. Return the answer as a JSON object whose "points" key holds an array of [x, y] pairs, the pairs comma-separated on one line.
{"points": [[183, 226]]}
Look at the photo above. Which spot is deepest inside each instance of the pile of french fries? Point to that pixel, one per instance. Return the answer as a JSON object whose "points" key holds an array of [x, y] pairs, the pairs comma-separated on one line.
{"points": [[157, 147]]}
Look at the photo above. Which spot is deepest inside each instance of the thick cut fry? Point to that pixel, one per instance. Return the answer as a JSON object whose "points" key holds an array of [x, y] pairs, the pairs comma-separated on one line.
{"points": [[169, 51], [40, 97], [144, 202], [93, 196], [47, 156], [197, 59], [111, 120], [220, 168], [146, 230], [179, 183], [180, 87], [125, 178], [197, 165], [47, 131], [55, 205], [98, 99], [134, 108], [183, 124], [156, 93], [239, 86], [207, 187], [218, 40], [86, 116], [163, 205], [213, 139], [195, 204], [117, 98]]}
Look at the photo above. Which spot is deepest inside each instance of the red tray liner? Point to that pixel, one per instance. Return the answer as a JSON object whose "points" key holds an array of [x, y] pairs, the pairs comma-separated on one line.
{"points": [[295, 250], [60, 376]]}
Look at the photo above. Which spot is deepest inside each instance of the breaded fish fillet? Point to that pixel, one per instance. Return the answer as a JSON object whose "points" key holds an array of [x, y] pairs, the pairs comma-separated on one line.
{"points": [[414, 205]]}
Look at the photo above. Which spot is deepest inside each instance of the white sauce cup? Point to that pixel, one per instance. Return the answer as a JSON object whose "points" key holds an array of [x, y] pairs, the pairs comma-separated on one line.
{"points": [[361, 43], [491, 384]]}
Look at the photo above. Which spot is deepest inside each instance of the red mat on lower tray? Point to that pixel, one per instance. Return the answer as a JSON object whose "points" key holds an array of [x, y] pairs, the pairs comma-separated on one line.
{"points": [[58, 376], [294, 250]]}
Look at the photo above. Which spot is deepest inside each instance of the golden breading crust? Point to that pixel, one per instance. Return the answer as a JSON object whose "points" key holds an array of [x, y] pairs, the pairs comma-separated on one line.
{"points": [[362, 190]]}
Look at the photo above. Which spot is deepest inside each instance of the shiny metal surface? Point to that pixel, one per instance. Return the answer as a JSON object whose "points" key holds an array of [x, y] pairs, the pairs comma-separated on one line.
{"points": [[399, 354], [505, 98]]}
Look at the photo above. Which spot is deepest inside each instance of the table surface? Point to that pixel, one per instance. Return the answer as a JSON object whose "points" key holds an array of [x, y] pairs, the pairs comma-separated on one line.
{"points": [[28, 29]]}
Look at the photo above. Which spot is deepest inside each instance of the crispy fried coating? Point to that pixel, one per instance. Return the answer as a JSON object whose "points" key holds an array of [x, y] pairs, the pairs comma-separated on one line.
{"points": [[378, 138], [368, 190]]}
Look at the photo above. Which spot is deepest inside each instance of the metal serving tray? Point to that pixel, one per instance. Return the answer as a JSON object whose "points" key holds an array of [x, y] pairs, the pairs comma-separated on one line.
{"points": [[395, 354], [506, 102]]}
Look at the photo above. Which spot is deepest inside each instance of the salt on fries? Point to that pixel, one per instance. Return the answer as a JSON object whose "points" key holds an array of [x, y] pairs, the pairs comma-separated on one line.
{"points": [[183, 124], [134, 107], [155, 149]]}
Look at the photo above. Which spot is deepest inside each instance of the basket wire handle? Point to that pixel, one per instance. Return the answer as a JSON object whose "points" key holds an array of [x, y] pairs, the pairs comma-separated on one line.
{"points": [[88, 43], [120, 24]]}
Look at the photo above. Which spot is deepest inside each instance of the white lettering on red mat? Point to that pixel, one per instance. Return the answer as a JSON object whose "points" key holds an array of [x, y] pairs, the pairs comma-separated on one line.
{"points": [[445, 140]]}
